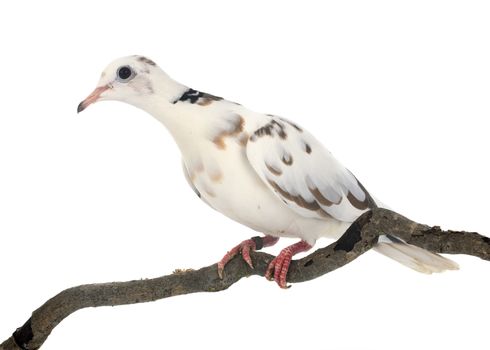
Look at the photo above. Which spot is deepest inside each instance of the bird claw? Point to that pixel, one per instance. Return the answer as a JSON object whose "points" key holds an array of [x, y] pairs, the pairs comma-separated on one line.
{"points": [[244, 248], [279, 266]]}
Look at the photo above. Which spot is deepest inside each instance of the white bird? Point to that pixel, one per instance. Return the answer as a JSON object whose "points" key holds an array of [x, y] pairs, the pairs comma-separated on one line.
{"points": [[260, 170]]}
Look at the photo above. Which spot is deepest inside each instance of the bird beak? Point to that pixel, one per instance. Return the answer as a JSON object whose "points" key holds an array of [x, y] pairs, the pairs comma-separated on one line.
{"points": [[93, 97]]}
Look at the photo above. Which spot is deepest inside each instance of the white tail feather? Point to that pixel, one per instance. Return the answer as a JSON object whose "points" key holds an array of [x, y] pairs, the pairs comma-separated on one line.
{"points": [[416, 258]]}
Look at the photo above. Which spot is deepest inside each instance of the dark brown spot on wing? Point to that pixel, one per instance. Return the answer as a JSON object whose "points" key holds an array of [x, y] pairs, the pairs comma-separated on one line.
{"points": [[307, 148], [361, 205], [371, 203], [270, 129], [296, 199], [321, 198], [367, 203], [287, 159], [300, 201], [273, 169]]}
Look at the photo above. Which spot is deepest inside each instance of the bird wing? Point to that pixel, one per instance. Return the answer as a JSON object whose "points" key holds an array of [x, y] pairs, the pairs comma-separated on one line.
{"points": [[303, 174]]}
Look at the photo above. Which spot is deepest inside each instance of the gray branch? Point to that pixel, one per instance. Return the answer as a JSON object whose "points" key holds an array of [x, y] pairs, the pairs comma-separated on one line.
{"points": [[359, 238]]}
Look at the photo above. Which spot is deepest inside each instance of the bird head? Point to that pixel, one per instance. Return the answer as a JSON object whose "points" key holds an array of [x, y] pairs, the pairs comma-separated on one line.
{"points": [[127, 79]]}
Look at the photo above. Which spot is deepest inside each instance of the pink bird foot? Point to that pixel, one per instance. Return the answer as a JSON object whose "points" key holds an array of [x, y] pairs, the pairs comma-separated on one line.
{"points": [[280, 264], [255, 243]]}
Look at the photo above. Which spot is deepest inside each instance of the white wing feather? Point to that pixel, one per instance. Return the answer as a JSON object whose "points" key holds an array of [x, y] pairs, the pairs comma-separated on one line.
{"points": [[303, 174]]}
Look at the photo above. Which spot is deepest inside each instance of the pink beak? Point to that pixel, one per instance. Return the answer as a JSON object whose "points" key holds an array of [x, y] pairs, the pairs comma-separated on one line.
{"points": [[93, 97]]}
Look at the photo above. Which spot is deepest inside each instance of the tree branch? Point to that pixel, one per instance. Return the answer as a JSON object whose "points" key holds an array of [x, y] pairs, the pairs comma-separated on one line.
{"points": [[359, 238]]}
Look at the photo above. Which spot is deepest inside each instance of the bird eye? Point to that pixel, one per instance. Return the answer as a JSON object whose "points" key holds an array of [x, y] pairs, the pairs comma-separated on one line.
{"points": [[125, 73]]}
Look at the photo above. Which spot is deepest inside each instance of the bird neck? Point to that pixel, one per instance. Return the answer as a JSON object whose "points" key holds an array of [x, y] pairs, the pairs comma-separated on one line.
{"points": [[182, 123]]}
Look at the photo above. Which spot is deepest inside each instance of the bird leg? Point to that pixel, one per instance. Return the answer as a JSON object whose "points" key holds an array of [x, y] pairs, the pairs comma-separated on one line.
{"points": [[254, 243], [280, 264]]}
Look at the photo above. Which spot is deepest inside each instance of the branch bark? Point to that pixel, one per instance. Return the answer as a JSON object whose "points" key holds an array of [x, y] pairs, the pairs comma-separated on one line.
{"points": [[359, 238]]}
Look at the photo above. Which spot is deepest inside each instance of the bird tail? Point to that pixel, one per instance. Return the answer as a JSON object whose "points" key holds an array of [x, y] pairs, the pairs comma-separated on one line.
{"points": [[416, 258]]}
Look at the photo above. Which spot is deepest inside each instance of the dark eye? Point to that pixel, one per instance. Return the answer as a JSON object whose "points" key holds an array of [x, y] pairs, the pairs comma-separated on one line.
{"points": [[124, 73]]}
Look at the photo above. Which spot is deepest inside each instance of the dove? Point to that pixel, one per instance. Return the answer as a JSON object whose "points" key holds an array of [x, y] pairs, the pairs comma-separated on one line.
{"points": [[261, 170]]}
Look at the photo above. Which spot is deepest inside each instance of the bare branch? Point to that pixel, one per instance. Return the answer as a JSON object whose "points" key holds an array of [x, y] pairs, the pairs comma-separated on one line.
{"points": [[360, 237]]}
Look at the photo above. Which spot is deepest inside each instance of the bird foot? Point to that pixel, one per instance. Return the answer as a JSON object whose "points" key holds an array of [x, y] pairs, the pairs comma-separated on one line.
{"points": [[279, 266], [255, 243]]}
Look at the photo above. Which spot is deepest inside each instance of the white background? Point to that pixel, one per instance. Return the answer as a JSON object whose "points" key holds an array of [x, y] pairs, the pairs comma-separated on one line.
{"points": [[398, 91]]}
